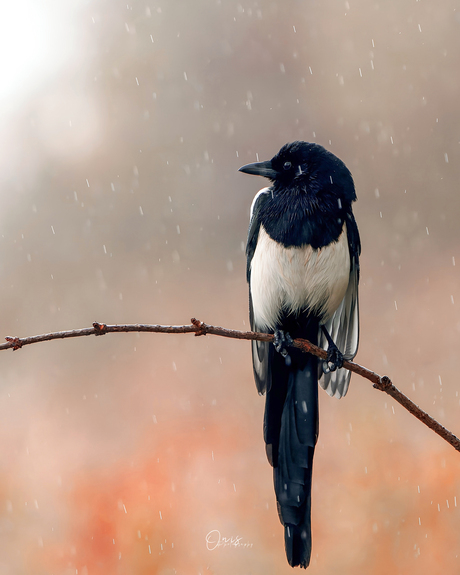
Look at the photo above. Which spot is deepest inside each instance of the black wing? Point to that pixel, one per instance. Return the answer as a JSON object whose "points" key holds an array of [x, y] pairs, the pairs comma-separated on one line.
{"points": [[260, 349], [343, 327]]}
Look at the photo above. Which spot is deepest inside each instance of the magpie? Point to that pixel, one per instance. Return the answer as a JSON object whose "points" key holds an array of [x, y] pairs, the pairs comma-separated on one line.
{"points": [[302, 252]]}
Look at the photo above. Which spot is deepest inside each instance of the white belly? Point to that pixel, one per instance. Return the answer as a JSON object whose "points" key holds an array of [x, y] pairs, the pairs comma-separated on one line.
{"points": [[297, 279]]}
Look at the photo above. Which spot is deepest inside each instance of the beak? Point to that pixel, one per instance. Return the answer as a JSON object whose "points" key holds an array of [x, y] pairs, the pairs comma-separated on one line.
{"points": [[260, 169]]}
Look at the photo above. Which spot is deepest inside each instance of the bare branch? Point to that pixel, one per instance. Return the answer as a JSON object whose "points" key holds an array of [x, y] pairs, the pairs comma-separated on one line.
{"points": [[383, 383]]}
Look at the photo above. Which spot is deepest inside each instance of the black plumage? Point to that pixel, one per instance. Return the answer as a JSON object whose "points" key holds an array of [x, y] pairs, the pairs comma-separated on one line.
{"points": [[303, 271]]}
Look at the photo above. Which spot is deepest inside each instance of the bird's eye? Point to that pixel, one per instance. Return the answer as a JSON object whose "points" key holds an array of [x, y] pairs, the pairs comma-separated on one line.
{"points": [[287, 165]]}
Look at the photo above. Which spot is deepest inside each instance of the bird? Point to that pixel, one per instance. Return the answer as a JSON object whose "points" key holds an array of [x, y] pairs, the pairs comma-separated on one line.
{"points": [[302, 251]]}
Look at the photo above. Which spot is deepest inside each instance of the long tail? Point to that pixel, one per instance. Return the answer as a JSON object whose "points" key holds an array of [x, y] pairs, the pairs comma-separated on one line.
{"points": [[291, 431]]}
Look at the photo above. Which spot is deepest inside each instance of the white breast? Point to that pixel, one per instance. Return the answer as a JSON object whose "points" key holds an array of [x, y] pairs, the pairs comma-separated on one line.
{"points": [[297, 279]]}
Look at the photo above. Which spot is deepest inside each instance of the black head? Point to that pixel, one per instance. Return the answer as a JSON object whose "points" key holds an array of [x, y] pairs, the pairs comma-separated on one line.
{"points": [[305, 166]]}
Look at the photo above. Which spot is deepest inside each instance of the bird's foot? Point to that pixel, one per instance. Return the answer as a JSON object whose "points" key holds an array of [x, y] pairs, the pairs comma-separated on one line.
{"points": [[283, 340], [335, 357]]}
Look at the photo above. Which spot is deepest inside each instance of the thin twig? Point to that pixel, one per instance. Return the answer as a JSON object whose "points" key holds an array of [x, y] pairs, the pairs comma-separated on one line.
{"points": [[383, 383]]}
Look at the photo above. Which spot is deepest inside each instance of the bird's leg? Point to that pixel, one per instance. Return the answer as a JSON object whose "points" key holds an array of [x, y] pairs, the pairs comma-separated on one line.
{"points": [[283, 340], [334, 355]]}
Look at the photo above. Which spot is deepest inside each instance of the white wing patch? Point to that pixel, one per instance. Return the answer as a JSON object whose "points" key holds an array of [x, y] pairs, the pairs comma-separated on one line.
{"points": [[298, 278], [256, 197]]}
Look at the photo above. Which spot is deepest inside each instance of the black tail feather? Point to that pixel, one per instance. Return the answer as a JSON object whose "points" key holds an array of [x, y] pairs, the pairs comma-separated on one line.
{"points": [[291, 431]]}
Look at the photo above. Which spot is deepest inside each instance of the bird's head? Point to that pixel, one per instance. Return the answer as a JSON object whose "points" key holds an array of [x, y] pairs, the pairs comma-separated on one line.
{"points": [[289, 163], [306, 166]]}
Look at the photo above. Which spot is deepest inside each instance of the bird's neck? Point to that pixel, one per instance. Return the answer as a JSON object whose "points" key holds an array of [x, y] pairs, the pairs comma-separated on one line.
{"points": [[295, 219]]}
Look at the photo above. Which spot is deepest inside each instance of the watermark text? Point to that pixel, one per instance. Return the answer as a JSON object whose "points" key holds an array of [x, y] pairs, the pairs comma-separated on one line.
{"points": [[214, 540]]}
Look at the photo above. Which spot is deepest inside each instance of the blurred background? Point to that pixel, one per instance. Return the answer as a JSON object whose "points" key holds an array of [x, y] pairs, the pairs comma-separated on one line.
{"points": [[122, 127]]}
